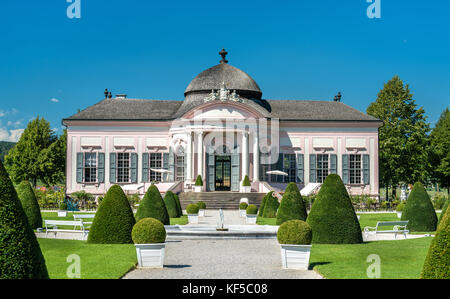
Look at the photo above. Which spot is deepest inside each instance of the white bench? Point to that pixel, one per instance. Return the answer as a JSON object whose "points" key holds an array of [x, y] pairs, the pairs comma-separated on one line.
{"points": [[399, 227], [82, 217], [52, 226]]}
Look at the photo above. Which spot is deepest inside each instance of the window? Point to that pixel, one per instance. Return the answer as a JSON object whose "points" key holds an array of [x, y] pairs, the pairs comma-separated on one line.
{"points": [[264, 167], [289, 165], [180, 165], [123, 167], [90, 167], [322, 167], [355, 169], [155, 163]]}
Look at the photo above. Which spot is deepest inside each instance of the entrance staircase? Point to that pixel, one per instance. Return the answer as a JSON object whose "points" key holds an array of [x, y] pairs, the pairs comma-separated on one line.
{"points": [[225, 200]]}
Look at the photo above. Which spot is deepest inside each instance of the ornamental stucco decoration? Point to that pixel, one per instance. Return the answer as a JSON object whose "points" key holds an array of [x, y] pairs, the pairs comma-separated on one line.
{"points": [[223, 94]]}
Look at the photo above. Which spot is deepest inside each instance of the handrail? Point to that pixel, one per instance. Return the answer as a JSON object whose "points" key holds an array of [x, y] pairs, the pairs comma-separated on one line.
{"points": [[174, 186], [272, 189]]}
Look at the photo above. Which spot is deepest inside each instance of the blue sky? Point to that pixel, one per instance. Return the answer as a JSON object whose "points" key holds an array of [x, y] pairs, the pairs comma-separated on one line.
{"points": [[51, 65]]}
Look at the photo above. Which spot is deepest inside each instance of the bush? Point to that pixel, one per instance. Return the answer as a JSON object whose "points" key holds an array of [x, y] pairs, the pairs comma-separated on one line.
{"points": [[437, 262], [133, 200], [243, 206], [246, 182], [263, 204], [400, 207], [153, 206], [332, 217], [419, 211], [294, 232], [201, 205], [29, 204], [292, 206], [148, 231], [83, 199], [444, 209], [20, 254], [177, 201], [199, 181], [113, 220], [271, 206], [171, 204], [63, 206], [192, 209], [438, 201], [252, 210]]}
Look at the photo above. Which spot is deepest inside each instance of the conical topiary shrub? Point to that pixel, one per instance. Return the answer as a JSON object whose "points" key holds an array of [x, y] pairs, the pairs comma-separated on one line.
{"points": [[153, 206], [437, 262], [419, 211], [332, 217], [20, 254], [177, 201], [263, 203], [113, 220], [292, 206], [171, 204], [29, 204], [444, 209], [271, 206]]}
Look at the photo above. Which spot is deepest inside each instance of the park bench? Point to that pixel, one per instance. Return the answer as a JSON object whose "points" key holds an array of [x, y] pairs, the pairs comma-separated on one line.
{"points": [[399, 227], [82, 217], [52, 226]]}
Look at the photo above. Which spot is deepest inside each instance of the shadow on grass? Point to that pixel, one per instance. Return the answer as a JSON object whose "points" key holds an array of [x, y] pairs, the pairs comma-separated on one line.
{"points": [[312, 265]]}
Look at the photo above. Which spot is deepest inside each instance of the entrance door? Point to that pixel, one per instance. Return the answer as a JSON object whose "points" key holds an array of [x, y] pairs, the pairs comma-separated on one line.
{"points": [[223, 173]]}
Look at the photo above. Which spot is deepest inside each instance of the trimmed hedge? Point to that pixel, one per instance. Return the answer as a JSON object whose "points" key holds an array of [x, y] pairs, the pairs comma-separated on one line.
{"points": [[199, 181], [243, 206], [177, 201], [444, 209], [246, 182], [400, 207], [30, 204], [332, 217], [263, 204], [437, 262], [192, 209], [171, 204], [294, 232], [270, 206], [252, 210], [292, 206], [201, 205], [153, 206], [114, 219], [20, 254], [148, 231], [419, 211]]}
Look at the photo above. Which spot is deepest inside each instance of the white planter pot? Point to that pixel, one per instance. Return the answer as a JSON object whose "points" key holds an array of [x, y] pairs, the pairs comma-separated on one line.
{"points": [[246, 189], [242, 213], [62, 213], [251, 218], [295, 256], [193, 218], [201, 213], [399, 215], [198, 188], [244, 199], [150, 255]]}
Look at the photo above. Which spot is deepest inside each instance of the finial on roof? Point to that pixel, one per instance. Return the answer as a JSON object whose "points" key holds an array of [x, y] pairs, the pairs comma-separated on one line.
{"points": [[106, 93], [223, 53], [337, 98]]}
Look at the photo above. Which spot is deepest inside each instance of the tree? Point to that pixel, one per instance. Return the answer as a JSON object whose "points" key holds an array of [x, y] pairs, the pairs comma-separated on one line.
{"points": [[402, 137], [171, 205], [153, 206], [114, 219], [20, 254], [271, 206], [440, 151], [419, 210], [53, 161], [292, 206], [30, 159], [30, 204], [332, 217]]}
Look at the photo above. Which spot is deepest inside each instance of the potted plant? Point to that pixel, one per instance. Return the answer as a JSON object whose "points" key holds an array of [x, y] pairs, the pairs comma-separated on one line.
{"points": [[246, 186], [295, 238], [198, 187], [201, 208], [251, 213], [399, 209], [242, 209], [192, 211], [149, 235], [62, 212]]}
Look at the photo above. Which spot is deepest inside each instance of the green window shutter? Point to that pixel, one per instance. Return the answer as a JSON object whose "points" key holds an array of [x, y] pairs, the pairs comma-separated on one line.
{"points": [[133, 168], [145, 165], [300, 168], [366, 168], [345, 169], [210, 175], [101, 167], [112, 168], [165, 166], [312, 168], [333, 163], [171, 166], [79, 168]]}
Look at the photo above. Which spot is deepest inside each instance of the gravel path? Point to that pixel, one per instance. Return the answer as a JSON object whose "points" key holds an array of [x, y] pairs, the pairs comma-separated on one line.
{"points": [[222, 259]]}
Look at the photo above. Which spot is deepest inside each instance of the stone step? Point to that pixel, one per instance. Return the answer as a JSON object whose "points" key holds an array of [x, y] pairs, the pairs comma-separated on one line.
{"points": [[220, 199]]}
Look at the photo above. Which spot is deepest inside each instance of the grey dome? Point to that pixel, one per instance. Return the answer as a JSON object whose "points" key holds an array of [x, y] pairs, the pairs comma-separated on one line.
{"points": [[234, 79]]}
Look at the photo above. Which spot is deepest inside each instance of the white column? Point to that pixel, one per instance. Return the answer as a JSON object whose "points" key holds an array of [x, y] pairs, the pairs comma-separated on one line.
{"points": [[200, 154], [255, 157], [189, 157], [244, 154]]}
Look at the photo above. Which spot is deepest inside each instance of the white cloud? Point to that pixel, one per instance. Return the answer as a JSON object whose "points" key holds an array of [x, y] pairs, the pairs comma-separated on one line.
{"points": [[2, 113], [54, 100], [10, 135]]}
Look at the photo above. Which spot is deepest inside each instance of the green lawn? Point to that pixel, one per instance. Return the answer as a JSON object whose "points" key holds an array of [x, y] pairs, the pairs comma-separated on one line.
{"points": [[398, 259], [106, 261]]}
